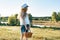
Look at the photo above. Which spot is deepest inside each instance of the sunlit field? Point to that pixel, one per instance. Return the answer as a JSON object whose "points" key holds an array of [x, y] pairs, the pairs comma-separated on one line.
{"points": [[46, 23], [13, 33]]}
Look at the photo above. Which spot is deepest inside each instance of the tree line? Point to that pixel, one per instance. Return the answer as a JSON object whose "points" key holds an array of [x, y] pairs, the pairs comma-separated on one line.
{"points": [[13, 21], [55, 17]]}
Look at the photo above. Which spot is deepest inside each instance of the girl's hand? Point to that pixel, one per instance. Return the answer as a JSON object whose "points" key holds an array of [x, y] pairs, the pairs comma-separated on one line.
{"points": [[26, 28]]}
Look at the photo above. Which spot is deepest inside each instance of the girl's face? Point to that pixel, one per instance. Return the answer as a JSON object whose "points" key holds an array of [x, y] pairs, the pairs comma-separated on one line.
{"points": [[24, 10]]}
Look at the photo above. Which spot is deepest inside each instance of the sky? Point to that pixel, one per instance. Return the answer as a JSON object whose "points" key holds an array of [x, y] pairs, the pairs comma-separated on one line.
{"points": [[37, 8]]}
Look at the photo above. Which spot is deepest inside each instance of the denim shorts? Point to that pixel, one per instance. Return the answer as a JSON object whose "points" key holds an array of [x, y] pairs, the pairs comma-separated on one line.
{"points": [[23, 29]]}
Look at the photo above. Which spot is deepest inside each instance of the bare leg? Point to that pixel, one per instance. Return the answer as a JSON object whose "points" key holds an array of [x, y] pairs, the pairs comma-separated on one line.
{"points": [[25, 36], [21, 36]]}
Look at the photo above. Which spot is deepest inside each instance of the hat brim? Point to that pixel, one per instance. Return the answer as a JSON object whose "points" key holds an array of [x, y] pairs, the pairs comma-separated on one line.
{"points": [[26, 6]]}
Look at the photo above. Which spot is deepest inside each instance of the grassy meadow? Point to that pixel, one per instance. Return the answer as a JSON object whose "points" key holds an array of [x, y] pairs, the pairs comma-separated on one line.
{"points": [[13, 33]]}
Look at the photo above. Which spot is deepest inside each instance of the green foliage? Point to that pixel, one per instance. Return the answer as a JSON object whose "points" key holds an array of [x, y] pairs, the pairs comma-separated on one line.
{"points": [[12, 20], [36, 19], [30, 18], [18, 22], [16, 18], [42, 18], [58, 16], [16, 15], [54, 16], [4, 19]]}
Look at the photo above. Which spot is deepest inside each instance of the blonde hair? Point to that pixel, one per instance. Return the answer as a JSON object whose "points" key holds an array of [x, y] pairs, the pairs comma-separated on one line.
{"points": [[23, 14]]}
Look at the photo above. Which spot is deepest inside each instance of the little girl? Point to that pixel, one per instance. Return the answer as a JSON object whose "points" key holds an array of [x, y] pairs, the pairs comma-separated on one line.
{"points": [[24, 21]]}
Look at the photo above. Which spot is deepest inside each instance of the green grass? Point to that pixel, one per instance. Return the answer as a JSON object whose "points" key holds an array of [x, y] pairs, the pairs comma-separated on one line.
{"points": [[13, 33]]}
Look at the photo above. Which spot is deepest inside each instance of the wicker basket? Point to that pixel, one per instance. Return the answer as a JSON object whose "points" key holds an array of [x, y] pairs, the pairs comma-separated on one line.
{"points": [[28, 34]]}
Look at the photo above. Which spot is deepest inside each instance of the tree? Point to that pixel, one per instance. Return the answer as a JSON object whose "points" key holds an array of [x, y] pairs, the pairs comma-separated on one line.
{"points": [[18, 23], [12, 20], [3, 19], [30, 18], [58, 16], [54, 16], [16, 18], [16, 15]]}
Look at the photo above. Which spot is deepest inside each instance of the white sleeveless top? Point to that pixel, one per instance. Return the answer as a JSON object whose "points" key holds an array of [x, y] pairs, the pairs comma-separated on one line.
{"points": [[26, 20]]}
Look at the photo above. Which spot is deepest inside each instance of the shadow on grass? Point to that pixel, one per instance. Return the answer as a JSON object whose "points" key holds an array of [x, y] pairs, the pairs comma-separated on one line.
{"points": [[55, 28]]}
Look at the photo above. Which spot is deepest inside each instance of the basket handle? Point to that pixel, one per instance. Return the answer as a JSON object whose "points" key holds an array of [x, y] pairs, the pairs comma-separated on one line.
{"points": [[29, 30]]}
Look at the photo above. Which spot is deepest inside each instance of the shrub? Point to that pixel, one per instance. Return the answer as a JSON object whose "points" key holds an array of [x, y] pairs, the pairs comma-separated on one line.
{"points": [[12, 21]]}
